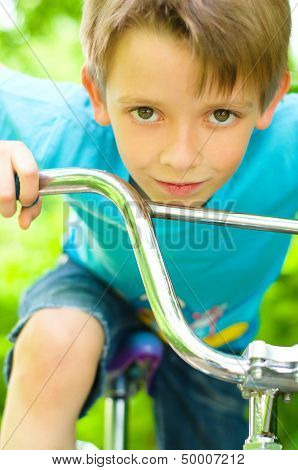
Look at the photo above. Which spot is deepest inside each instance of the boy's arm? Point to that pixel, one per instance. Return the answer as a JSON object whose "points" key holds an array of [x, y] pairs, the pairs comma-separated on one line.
{"points": [[25, 111], [15, 157], [44, 115], [42, 125]]}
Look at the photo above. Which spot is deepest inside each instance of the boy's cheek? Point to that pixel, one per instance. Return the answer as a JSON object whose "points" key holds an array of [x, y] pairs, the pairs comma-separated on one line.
{"points": [[228, 155], [225, 165], [136, 157]]}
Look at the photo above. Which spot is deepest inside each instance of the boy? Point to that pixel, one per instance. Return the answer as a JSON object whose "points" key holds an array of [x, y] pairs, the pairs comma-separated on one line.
{"points": [[210, 78]]}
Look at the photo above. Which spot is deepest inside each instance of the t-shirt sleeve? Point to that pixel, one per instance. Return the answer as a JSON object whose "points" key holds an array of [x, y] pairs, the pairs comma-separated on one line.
{"points": [[53, 119]]}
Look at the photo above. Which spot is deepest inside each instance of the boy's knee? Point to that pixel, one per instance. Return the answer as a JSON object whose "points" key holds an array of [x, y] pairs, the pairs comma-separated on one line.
{"points": [[64, 342]]}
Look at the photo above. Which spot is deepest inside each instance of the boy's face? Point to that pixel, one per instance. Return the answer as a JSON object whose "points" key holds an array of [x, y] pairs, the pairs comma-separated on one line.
{"points": [[163, 133]]}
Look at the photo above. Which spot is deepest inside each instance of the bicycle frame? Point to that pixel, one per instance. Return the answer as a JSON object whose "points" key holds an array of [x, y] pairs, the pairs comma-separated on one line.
{"points": [[263, 371]]}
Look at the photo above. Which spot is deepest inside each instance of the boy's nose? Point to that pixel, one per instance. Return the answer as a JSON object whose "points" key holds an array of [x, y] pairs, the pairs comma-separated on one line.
{"points": [[183, 154]]}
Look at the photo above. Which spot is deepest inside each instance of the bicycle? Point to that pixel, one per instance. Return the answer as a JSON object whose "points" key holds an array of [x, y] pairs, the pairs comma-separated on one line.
{"points": [[262, 373]]}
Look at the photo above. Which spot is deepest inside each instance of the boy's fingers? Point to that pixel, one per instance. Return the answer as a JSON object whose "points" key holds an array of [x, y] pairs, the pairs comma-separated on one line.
{"points": [[25, 166], [8, 205], [33, 204], [27, 215]]}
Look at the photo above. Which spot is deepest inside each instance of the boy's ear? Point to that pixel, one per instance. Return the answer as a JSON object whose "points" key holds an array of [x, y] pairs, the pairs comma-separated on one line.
{"points": [[264, 120], [99, 108]]}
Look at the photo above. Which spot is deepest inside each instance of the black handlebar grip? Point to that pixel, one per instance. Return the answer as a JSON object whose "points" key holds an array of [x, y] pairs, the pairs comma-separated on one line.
{"points": [[17, 184]]}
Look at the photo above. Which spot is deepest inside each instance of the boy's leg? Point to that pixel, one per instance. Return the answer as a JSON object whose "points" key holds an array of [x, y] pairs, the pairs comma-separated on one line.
{"points": [[196, 411], [64, 301], [54, 365]]}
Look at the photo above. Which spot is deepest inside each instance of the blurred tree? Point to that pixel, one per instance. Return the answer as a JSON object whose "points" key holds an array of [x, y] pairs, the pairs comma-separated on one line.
{"points": [[43, 38]]}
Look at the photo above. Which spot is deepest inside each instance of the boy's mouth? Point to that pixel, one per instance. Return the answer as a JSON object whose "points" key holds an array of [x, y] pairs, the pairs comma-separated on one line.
{"points": [[179, 189]]}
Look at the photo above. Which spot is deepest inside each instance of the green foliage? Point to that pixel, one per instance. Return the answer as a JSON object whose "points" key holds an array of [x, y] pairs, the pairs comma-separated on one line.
{"points": [[34, 45], [35, 48]]}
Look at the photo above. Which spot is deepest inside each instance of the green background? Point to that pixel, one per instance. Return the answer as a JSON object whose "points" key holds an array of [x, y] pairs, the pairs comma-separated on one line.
{"points": [[34, 46]]}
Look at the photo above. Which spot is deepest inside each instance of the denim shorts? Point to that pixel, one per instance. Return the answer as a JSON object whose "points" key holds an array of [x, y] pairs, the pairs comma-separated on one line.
{"points": [[191, 410]]}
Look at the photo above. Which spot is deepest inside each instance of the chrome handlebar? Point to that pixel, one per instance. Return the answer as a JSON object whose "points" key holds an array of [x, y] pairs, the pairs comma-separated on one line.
{"points": [[261, 366]]}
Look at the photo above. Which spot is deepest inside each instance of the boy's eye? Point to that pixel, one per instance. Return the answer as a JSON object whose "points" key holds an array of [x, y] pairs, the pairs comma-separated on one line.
{"points": [[222, 116], [143, 113]]}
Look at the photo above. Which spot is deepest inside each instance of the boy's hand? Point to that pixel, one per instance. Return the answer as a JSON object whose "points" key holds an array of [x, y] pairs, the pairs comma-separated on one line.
{"points": [[16, 158]]}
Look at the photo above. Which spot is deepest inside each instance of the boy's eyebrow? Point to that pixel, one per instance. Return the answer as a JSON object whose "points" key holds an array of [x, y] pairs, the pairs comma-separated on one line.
{"points": [[139, 99]]}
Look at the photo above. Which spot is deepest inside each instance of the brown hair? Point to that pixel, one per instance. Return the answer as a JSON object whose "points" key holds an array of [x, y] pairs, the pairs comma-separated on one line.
{"points": [[246, 39]]}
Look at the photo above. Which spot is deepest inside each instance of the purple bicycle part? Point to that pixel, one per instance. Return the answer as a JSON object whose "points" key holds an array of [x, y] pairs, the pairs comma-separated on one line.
{"points": [[138, 347]]}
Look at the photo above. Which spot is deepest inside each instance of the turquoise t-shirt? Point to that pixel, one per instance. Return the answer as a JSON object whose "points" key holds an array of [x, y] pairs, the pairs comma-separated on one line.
{"points": [[220, 274]]}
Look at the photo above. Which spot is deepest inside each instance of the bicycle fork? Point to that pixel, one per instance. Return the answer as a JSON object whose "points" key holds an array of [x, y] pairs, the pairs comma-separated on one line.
{"points": [[262, 420], [116, 414]]}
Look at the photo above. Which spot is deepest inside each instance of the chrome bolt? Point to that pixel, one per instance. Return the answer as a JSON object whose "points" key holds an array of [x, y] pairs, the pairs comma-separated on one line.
{"points": [[257, 373], [245, 394], [287, 397], [296, 372]]}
